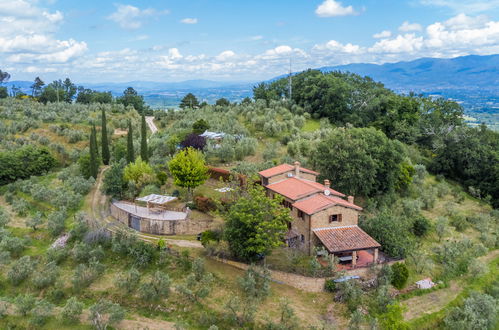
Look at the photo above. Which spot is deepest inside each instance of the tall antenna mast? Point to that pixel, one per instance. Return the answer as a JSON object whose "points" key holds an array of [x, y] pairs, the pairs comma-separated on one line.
{"points": [[290, 92]]}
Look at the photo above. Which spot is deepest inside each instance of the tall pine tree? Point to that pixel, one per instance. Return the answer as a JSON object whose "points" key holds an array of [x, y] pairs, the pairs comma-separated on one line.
{"points": [[143, 139], [104, 142], [94, 166], [130, 155]]}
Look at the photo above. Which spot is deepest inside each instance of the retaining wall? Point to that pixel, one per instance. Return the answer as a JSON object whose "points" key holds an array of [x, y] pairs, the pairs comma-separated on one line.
{"points": [[305, 283], [163, 227]]}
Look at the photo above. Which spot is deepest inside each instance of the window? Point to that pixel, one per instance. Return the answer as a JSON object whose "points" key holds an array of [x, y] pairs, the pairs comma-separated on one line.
{"points": [[265, 181], [301, 215], [335, 218], [302, 237], [287, 204]]}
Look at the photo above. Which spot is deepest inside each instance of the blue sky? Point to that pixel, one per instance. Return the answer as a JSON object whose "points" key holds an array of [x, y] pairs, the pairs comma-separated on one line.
{"points": [[232, 40]]}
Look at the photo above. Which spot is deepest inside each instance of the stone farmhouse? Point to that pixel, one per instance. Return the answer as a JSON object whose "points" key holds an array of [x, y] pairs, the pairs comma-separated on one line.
{"points": [[321, 215]]}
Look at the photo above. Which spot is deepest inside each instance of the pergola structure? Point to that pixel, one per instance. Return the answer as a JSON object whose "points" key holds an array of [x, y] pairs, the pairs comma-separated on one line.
{"points": [[346, 241], [156, 202]]}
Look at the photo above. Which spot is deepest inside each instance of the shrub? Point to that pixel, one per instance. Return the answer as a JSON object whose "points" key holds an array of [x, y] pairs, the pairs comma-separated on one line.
{"points": [[459, 222], [255, 283], [56, 255], [330, 285], [204, 204], [157, 288], [55, 223], [85, 274], [41, 312], [392, 232], [21, 270], [400, 275], [34, 221], [479, 311], [24, 303], [141, 253], [104, 313], [421, 226], [72, 310], [350, 293], [128, 281], [14, 245], [455, 256], [46, 276], [208, 236], [4, 218], [20, 206]]}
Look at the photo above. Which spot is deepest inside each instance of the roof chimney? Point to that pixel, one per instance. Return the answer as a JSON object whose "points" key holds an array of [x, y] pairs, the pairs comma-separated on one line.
{"points": [[327, 184], [297, 169], [350, 199]]}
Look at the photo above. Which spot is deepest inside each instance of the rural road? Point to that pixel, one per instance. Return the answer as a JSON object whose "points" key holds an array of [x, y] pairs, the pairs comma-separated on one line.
{"points": [[152, 126]]}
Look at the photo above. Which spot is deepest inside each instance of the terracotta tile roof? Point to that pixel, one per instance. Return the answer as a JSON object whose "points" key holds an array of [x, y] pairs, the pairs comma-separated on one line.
{"points": [[283, 168], [319, 202], [345, 238], [322, 187], [293, 188]]}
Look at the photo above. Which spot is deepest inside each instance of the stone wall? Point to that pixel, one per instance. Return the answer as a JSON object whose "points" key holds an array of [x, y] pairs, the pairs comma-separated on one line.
{"points": [[321, 219], [305, 283], [309, 284], [164, 227]]}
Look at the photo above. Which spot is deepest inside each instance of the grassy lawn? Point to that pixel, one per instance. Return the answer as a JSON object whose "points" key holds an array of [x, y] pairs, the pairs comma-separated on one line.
{"points": [[311, 125]]}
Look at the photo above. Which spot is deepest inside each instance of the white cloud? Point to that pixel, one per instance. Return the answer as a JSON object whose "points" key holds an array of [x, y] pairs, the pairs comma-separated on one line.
{"points": [[459, 35], [140, 37], [130, 17], [382, 34], [26, 35], [225, 55], [336, 46], [464, 6], [407, 43], [331, 8], [408, 27], [279, 52], [256, 38], [189, 21]]}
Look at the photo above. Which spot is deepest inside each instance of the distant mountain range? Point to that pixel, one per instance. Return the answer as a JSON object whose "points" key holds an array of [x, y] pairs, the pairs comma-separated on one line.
{"points": [[461, 76], [466, 72]]}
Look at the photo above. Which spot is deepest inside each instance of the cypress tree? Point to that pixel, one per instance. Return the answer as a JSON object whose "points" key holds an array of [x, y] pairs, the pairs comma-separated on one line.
{"points": [[104, 142], [94, 167], [130, 156], [143, 142], [94, 140]]}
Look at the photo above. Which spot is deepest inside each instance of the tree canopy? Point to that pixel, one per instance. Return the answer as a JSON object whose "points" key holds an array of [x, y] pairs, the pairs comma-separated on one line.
{"points": [[189, 101], [188, 168], [255, 224], [131, 97], [359, 160]]}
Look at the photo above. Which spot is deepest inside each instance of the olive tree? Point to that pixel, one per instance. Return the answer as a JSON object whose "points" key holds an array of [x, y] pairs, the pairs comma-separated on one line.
{"points": [[72, 310], [105, 313]]}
